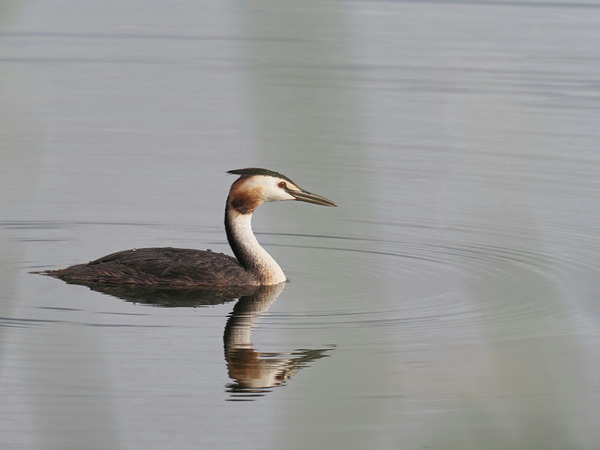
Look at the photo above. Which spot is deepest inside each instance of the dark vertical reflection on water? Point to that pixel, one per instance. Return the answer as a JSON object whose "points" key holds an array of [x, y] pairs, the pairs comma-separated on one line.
{"points": [[519, 360], [306, 115], [53, 400]]}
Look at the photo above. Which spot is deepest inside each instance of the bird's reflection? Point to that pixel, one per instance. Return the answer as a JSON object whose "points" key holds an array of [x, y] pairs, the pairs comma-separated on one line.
{"points": [[253, 372], [256, 372]]}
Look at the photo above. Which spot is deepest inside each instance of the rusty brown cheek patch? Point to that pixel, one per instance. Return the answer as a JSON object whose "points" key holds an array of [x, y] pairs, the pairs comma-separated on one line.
{"points": [[245, 202]]}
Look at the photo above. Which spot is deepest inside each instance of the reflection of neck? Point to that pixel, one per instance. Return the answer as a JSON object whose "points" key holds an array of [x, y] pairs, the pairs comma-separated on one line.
{"points": [[244, 363], [238, 331], [248, 251], [252, 370]]}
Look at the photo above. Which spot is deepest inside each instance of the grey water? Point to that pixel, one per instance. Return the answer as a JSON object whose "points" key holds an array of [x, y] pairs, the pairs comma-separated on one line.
{"points": [[451, 301]]}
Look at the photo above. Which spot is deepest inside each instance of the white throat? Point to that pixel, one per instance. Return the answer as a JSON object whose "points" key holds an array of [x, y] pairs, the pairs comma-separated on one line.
{"points": [[248, 251]]}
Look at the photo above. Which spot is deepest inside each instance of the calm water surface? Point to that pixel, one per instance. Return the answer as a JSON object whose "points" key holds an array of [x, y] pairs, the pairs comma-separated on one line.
{"points": [[450, 302]]}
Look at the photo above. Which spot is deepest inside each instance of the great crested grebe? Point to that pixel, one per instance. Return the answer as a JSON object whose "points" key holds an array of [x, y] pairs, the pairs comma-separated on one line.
{"points": [[199, 268]]}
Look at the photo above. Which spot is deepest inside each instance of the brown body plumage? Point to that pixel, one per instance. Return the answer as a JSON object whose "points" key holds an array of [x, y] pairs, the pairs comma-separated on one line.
{"points": [[161, 267]]}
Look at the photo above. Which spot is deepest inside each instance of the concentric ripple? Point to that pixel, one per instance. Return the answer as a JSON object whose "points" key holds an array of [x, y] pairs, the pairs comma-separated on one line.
{"points": [[457, 280]]}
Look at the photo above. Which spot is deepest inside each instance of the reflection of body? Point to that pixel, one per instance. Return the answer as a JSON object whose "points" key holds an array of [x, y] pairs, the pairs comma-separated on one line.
{"points": [[177, 267], [252, 370]]}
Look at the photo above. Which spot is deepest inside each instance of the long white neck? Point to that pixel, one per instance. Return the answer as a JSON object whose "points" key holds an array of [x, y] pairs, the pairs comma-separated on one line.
{"points": [[248, 251]]}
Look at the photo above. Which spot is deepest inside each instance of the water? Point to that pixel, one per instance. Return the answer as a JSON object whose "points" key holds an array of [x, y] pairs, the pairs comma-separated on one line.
{"points": [[450, 302]]}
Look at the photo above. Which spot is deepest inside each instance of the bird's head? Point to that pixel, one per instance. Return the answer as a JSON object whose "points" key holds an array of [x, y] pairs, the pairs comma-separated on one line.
{"points": [[256, 186]]}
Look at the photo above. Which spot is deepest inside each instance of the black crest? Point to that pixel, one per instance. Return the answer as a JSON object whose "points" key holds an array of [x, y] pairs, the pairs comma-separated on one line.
{"points": [[256, 171]]}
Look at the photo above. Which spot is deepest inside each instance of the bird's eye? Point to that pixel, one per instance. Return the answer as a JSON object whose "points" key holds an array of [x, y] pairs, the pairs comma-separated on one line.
{"points": [[282, 184]]}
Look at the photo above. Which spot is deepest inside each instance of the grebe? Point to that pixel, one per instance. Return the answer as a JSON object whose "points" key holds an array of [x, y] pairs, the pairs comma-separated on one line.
{"points": [[178, 267]]}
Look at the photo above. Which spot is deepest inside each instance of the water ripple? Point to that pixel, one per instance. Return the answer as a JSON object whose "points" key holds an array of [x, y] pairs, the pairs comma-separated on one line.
{"points": [[447, 280]]}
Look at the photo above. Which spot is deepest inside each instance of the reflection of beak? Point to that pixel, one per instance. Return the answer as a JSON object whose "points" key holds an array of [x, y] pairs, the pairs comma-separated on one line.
{"points": [[307, 197]]}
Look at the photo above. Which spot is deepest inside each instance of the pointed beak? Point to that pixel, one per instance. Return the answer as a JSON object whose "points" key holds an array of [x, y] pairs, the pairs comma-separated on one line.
{"points": [[303, 196]]}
